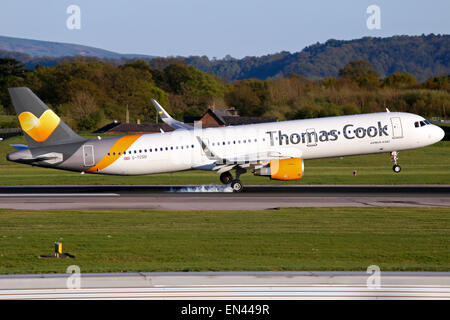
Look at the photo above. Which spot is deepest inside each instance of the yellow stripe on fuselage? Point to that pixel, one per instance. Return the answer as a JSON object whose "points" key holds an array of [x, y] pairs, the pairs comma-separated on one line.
{"points": [[120, 146]]}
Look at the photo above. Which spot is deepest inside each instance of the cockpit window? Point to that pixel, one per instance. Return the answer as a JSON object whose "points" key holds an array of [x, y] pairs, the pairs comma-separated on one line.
{"points": [[422, 123]]}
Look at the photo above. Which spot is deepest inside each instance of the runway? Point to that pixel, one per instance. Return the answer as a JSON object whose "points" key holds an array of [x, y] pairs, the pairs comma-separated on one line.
{"points": [[229, 285], [216, 197]]}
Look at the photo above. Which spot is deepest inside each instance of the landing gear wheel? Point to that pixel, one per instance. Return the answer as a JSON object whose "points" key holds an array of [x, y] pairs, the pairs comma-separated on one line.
{"points": [[237, 185], [394, 158], [226, 177]]}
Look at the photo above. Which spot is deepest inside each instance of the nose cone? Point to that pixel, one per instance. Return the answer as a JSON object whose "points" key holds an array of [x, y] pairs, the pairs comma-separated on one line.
{"points": [[440, 133], [437, 133]]}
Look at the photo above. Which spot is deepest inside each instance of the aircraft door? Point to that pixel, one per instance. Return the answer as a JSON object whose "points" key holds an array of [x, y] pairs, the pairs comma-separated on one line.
{"points": [[88, 155], [397, 130]]}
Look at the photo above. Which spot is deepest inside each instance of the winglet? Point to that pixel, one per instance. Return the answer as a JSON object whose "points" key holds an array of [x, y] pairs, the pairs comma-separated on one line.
{"points": [[166, 118], [161, 112]]}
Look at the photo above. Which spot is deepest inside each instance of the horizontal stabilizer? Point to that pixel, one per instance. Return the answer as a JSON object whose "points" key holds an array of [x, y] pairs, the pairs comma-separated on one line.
{"points": [[50, 158]]}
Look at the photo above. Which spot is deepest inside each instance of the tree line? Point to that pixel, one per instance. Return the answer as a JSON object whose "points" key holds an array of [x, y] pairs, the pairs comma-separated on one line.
{"points": [[88, 93]]}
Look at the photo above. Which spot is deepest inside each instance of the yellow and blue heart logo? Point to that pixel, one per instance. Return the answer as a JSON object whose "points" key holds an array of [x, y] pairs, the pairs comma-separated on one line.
{"points": [[39, 128]]}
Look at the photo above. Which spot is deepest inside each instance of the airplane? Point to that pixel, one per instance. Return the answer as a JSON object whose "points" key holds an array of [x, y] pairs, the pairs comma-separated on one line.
{"points": [[275, 150]]}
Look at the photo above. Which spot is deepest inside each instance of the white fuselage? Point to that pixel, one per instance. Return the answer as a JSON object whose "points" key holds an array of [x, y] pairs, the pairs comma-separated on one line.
{"points": [[309, 139]]}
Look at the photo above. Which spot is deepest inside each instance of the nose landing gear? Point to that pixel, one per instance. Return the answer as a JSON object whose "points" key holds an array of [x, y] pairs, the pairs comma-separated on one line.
{"points": [[394, 158], [237, 185]]}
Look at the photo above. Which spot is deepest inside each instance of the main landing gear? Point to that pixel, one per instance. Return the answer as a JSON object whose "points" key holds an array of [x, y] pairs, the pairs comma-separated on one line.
{"points": [[226, 177], [394, 158], [236, 184]]}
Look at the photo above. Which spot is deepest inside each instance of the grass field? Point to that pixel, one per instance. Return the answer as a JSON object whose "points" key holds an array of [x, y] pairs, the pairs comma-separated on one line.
{"points": [[288, 239], [428, 165]]}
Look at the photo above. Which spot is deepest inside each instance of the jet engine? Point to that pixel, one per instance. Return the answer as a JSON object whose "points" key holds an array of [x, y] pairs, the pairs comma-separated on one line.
{"points": [[286, 169]]}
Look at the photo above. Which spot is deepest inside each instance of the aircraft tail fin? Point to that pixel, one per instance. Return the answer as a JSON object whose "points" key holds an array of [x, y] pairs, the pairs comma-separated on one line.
{"points": [[41, 126]]}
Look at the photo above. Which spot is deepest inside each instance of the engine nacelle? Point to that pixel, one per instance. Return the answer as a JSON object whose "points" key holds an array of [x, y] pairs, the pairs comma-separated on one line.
{"points": [[286, 169]]}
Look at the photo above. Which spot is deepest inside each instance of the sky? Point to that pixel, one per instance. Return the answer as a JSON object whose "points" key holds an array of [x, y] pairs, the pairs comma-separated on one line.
{"points": [[218, 28]]}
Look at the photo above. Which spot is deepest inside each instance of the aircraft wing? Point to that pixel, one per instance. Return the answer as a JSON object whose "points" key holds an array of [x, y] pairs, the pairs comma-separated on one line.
{"points": [[166, 118], [250, 160]]}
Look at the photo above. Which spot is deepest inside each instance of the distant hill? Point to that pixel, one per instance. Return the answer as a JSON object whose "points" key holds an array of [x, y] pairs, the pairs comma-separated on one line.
{"points": [[38, 48], [422, 56]]}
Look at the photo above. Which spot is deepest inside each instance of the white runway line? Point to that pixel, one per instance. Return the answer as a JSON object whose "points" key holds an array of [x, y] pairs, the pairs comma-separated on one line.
{"points": [[57, 195]]}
